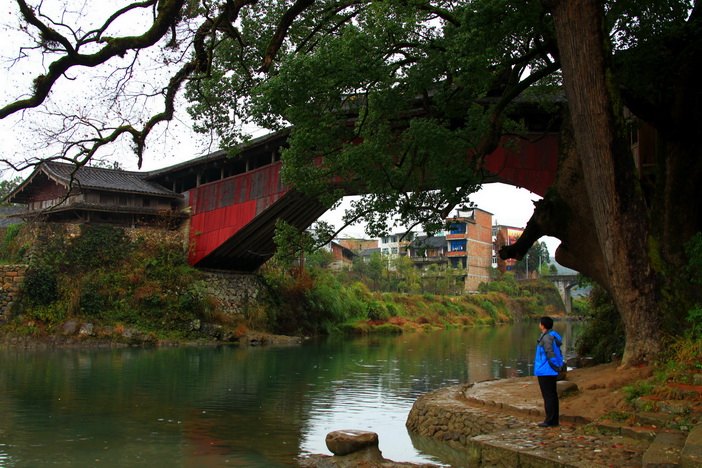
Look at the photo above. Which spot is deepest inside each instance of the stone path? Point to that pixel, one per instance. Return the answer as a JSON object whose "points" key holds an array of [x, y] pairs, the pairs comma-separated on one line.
{"points": [[499, 429], [495, 423]]}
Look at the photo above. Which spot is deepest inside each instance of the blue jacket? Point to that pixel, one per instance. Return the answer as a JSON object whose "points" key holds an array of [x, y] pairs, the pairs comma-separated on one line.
{"points": [[548, 350]]}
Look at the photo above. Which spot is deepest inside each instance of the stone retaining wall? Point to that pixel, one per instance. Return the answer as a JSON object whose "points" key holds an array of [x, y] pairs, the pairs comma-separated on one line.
{"points": [[11, 278], [441, 415], [232, 291]]}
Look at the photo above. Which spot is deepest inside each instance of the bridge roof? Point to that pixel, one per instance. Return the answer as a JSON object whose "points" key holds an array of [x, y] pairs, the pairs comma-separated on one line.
{"points": [[218, 155], [87, 177]]}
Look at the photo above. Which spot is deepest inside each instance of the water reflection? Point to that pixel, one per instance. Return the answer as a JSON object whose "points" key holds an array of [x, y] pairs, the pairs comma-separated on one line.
{"points": [[228, 406]]}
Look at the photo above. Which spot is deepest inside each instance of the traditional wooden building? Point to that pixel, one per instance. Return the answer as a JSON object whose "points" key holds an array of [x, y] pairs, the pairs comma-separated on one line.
{"points": [[58, 192], [425, 251]]}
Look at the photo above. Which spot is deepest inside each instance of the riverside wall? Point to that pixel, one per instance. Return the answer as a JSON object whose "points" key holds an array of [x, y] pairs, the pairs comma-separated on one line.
{"points": [[443, 416], [11, 279], [232, 292]]}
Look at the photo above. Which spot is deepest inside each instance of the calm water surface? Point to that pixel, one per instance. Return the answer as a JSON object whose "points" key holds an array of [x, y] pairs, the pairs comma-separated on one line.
{"points": [[247, 407]]}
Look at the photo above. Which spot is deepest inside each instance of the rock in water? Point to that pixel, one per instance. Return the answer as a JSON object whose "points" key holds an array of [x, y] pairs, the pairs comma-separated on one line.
{"points": [[348, 441]]}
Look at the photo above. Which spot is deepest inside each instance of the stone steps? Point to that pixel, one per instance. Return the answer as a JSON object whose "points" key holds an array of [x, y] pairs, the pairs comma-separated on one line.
{"points": [[691, 454], [664, 451], [666, 448]]}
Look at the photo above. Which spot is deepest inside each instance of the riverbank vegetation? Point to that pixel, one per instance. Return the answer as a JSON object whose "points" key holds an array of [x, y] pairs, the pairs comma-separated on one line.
{"points": [[101, 275], [318, 301]]}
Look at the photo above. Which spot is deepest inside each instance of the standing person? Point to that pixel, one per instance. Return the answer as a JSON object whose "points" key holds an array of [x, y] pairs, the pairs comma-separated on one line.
{"points": [[547, 363]]}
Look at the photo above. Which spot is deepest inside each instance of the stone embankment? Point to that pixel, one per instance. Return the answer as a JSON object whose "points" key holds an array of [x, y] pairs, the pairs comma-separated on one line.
{"points": [[232, 291], [11, 278], [497, 426], [494, 423]]}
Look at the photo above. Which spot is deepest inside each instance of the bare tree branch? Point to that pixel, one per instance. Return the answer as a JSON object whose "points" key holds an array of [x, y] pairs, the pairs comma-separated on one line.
{"points": [[168, 13]]}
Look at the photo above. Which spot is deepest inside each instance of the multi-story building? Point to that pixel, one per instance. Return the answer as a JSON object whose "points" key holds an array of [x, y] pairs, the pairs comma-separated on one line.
{"points": [[501, 236], [358, 245], [396, 244], [425, 251], [470, 245], [343, 256]]}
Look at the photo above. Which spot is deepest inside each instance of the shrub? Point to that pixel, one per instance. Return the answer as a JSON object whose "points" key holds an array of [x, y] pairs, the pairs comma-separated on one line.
{"points": [[637, 390], [388, 329], [489, 308], [98, 246], [603, 316], [40, 285], [377, 311]]}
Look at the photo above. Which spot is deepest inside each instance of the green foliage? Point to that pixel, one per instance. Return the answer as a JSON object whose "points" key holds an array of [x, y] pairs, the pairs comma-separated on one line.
{"points": [[693, 250], [682, 358], [11, 250], [504, 282], [6, 187], [374, 60], [12, 231], [388, 329], [537, 259], [638, 389], [98, 246], [603, 334], [40, 285], [377, 311], [489, 308], [693, 269], [581, 306], [102, 274], [694, 318], [310, 303], [620, 416], [292, 244]]}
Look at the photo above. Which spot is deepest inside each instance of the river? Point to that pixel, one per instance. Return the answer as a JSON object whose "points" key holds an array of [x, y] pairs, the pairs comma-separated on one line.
{"points": [[213, 406]]}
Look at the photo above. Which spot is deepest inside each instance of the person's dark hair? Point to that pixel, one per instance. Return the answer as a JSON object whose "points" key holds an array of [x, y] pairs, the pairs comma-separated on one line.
{"points": [[547, 322]]}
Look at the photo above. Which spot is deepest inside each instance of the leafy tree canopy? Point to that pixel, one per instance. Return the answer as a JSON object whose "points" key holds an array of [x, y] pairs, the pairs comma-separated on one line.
{"points": [[339, 73]]}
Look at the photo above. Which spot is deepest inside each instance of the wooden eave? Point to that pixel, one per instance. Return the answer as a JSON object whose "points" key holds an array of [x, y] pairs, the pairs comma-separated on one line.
{"points": [[98, 208]]}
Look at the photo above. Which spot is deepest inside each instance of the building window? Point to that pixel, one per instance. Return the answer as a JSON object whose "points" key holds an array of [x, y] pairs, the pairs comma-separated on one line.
{"points": [[394, 250], [458, 228], [384, 251], [457, 245]]}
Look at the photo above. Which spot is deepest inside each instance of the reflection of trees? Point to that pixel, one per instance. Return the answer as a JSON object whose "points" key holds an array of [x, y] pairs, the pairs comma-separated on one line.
{"points": [[235, 400]]}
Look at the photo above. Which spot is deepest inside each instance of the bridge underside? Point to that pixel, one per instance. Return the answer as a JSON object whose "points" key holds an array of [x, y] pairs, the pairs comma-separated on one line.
{"points": [[235, 202], [252, 245]]}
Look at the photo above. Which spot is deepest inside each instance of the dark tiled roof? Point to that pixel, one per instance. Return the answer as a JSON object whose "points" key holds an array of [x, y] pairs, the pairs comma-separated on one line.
{"points": [[424, 242], [217, 155], [105, 179], [7, 211], [368, 252]]}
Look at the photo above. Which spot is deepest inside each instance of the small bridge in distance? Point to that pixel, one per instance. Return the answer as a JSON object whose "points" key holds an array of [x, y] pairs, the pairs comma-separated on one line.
{"points": [[564, 284]]}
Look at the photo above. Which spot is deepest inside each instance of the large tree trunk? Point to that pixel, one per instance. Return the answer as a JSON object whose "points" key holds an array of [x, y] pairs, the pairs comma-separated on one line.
{"points": [[565, 213], [621, 223]]}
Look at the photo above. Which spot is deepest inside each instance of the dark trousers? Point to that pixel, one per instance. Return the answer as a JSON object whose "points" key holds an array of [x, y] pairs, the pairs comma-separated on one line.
{"points": [[547, 383]]}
